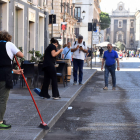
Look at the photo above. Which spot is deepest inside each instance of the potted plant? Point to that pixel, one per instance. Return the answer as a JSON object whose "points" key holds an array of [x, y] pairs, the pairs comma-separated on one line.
{"points": [[36, 56]]}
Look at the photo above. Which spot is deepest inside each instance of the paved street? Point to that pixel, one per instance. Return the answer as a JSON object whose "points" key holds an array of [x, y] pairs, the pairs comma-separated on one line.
{"points": [[104, 115], [22, 115]]}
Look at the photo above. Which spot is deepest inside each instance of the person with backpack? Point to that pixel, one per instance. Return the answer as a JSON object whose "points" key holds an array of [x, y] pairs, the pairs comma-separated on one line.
{"points": [[66, 54], [7, 52], [79, 49]]}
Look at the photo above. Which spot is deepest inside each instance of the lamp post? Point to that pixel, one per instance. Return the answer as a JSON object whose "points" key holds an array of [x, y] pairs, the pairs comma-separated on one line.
{"points": [[91, 43]]}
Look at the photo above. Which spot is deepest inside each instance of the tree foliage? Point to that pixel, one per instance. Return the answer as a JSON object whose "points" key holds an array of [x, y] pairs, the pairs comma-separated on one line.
{"points": [[120, 46], [104, 20]]}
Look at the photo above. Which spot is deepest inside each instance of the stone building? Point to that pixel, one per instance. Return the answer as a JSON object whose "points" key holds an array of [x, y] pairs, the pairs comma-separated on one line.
{"points": [[92, 11], [64, 11], [122, 27], [26, 21], [137, 14]]}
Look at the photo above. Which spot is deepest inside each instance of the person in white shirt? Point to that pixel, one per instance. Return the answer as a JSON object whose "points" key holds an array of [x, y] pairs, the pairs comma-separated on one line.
{"points": [[79, 49], [7, 52]]}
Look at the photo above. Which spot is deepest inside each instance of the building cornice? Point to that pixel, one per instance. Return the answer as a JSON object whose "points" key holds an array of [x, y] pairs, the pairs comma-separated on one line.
{"points": [[138, 12]]}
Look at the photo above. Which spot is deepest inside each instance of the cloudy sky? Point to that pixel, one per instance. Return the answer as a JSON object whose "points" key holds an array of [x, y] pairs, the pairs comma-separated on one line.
{"points": [[108, 5]]}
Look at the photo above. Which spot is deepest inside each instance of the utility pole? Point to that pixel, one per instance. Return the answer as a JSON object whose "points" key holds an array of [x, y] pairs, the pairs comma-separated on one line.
{"points": [[64, 21], [91, 43], [52, 18]]}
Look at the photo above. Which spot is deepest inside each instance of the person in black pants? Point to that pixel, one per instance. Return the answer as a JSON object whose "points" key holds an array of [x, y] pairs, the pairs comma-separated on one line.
{"points": [[50, 71]]}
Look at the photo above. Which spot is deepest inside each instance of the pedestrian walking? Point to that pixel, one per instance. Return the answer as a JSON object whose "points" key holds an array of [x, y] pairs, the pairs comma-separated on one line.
{"points": [[98, 53], [137, 53], [7, 52], [127, 54], [79, 49], [88, 57], [50, 71], [110, 57], [101, 53], [66, 54]]}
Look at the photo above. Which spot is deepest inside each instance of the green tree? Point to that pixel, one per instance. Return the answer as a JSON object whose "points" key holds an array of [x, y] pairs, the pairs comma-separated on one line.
{"points": [[104, 20], [120, 46]]}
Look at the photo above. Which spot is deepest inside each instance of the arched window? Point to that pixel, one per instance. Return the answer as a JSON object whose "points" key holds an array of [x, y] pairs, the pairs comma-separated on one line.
{"points": [[120, 37]]}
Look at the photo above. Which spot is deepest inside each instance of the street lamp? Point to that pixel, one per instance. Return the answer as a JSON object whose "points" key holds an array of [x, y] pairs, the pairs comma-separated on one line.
{"points": [[83, 14]]}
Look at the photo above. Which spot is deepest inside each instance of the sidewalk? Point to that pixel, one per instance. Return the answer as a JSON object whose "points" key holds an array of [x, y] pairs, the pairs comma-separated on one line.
{"points": [[22, 115]]}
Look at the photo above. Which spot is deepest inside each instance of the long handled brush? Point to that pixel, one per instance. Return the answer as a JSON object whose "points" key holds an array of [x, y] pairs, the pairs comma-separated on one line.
{"points": [[42, 124]]}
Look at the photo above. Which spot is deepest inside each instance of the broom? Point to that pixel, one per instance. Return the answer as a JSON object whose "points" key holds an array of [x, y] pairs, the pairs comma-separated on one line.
{"points": [[42, 124]]}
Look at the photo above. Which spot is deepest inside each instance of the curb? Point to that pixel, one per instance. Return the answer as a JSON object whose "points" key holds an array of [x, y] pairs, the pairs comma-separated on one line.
{"points": [[55, 118]]}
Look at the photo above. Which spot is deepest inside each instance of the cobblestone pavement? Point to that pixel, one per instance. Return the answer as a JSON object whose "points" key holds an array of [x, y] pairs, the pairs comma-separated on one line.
{"points": [[104, 115]]}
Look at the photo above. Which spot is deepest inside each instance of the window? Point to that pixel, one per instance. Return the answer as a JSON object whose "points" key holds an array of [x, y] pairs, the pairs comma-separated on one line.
{"points": [[120, 37], [131, 37], [77, 32], [132, 24], [72, 11], [39, 3], [68, 9], [78, 13], [119, 24]]}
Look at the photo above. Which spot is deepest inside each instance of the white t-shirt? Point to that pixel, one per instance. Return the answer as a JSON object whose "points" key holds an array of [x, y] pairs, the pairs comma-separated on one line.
{"points": [[79, 54], [11, 50]]}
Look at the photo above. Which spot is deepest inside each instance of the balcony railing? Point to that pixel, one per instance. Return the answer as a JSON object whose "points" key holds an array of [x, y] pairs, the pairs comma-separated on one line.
{"points": [[79, 19]]}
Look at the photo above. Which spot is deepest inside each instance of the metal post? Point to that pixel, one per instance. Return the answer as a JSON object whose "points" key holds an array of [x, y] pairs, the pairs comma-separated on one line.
{"points": [[95, 55], [64, 21], [91, 43], [52, 19]]}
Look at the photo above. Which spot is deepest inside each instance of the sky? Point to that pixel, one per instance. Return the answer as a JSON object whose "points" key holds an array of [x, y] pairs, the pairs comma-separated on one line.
{"points": [[108, 5]]}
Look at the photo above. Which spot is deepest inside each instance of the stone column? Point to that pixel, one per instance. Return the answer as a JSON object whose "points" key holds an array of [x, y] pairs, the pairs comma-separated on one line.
{"points": [[112, 31], [128, 34]]}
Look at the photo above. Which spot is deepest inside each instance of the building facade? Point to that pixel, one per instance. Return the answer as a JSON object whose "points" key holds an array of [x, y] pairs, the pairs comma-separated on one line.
{"points": [[138, 29], [92, 11], [64, 11], [122, 27], [26, 21]]}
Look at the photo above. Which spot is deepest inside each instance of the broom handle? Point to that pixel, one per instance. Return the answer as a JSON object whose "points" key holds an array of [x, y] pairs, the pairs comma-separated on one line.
{"points": [[30, 91]]}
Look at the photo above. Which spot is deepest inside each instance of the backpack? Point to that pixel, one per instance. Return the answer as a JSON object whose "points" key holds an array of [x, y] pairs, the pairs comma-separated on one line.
{"points": [[76, 42]]}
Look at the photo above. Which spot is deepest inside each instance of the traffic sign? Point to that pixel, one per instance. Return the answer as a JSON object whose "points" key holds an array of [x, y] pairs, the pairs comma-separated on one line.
{"points": [[63, 25]]}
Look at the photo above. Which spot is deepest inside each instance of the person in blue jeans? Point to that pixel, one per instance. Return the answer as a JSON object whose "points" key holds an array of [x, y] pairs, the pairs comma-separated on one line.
{"points": [[110, 57], [79, 49]]}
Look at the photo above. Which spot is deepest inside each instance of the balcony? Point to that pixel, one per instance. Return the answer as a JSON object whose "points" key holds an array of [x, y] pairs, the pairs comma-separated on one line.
{"points": [[79, 19]]}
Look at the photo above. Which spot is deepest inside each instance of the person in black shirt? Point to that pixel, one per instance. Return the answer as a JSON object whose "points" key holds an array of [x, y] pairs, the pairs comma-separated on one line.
{"points": [[101, 52], [50, 71]]}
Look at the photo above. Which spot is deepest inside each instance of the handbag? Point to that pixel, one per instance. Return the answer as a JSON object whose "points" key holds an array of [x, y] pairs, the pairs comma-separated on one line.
{"points": [[66, 53]]}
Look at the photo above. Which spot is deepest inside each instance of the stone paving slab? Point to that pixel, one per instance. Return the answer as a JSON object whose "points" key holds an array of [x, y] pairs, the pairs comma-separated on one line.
{"points": [[22, 114]]}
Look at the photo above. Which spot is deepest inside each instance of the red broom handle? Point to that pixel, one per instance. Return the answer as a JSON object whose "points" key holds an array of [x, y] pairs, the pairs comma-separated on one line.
{"points": [[30, 92]]}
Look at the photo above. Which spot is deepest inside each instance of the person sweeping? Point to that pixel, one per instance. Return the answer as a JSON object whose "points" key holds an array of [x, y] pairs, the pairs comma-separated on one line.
{"points": [[7, 52]]}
